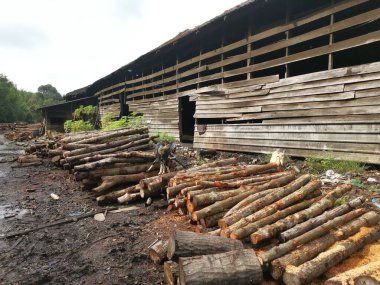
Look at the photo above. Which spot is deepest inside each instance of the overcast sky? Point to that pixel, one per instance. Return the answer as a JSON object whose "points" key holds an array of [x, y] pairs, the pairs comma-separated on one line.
{"points": [[72, 43]]}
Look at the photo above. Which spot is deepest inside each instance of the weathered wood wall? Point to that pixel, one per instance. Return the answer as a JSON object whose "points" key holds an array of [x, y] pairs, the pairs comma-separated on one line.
{"points": [[330, 113], [252, 86], [161, 114]]}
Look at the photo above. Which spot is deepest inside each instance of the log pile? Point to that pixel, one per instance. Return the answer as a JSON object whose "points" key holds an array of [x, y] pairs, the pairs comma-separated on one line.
{"points": [[21, 131], [259, 203], [113, 164]]}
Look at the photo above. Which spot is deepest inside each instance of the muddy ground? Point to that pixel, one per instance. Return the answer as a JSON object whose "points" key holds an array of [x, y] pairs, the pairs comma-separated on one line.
{"points": [[83, 252]]}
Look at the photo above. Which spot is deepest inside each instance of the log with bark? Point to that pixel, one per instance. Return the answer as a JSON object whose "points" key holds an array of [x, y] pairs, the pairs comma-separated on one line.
{"points": [[240, 182], [320, 264], [111, 135], [171, 272], [224, 205], [130, 154], [184, 244], [319, 220], [132, 146], [239, 267], [112, 196], [108, 145], [371, 269], [311, 249], [270, 231], [252, 227], [110, 181], [128, 197], [158, 251], [290, 245], [250, 206], [274, 207]]}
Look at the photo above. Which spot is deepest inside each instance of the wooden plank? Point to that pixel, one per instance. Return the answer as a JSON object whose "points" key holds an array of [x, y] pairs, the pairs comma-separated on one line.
{"points": [[328, 82], [300, 99], [332, 127], [231, 110], [349, 119], [368, 93], [368, 158], [320, 105], [327, 74], [366, 148], [248, 94], [316, 137], [217, 116], [362, 85], [312, 113]]}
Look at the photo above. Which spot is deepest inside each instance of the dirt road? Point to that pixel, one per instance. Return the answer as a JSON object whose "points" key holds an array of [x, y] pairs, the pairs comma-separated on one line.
{"points": [[82, 252]]}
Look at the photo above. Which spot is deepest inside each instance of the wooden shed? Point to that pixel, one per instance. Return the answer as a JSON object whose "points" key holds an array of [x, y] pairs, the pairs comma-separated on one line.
{"points": [[303, 76]]}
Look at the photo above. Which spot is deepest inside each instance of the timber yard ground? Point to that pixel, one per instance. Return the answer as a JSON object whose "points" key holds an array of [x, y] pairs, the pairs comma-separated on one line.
{"points": [[87, 251]]}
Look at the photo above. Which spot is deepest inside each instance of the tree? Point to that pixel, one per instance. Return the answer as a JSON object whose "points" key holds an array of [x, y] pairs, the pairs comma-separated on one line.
{"points": [[48, 91]]}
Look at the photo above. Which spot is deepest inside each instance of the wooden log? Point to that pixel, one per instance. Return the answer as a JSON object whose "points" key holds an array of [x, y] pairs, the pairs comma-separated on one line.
{"points": [[226, 184], [218, 163], [186, 190], [252, 227], [99, 147], [173, 191], [212, 221], [184, 244], [107, 136], [311, 249], [128, 197], [99, 164], [190, 194], [133, 169], [171, 272], [371, 269], [320, 264], [158, 251], [278, 195], [284, 248], [112, 197], [131, 154], [270, 231], [319, 220], [239, 267], [110, 181], [180, 202], [132, 146], [221, 206], [214, 232]]}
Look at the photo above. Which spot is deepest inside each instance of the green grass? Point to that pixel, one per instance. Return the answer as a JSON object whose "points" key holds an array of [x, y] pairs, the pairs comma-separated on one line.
{"points": [[359, 184], [321, 165]]}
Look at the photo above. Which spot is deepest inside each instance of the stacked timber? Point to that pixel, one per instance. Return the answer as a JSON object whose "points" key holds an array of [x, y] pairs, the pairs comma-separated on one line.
{"points": [[113, 164], [21, 131], [307, 115], [258, 203]]}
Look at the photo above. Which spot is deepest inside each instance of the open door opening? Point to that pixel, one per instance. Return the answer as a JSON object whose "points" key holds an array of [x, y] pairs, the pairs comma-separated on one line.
{"points": [[186, 119]]}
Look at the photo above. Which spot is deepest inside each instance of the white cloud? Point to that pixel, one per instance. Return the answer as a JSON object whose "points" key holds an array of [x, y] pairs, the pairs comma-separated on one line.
{"points": [[72, 43]]}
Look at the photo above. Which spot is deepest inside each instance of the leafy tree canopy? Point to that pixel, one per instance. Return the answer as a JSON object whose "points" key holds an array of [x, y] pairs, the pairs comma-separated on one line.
{"points": [[20, 106]]}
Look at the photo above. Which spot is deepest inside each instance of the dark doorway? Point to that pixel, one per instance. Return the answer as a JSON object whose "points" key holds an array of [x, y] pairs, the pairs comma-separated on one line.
{"points": [[186, 119]]}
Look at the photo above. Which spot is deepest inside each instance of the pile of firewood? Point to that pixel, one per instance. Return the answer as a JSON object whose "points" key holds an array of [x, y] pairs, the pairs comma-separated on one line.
{"points": [[259, 203], [21, 131]]}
